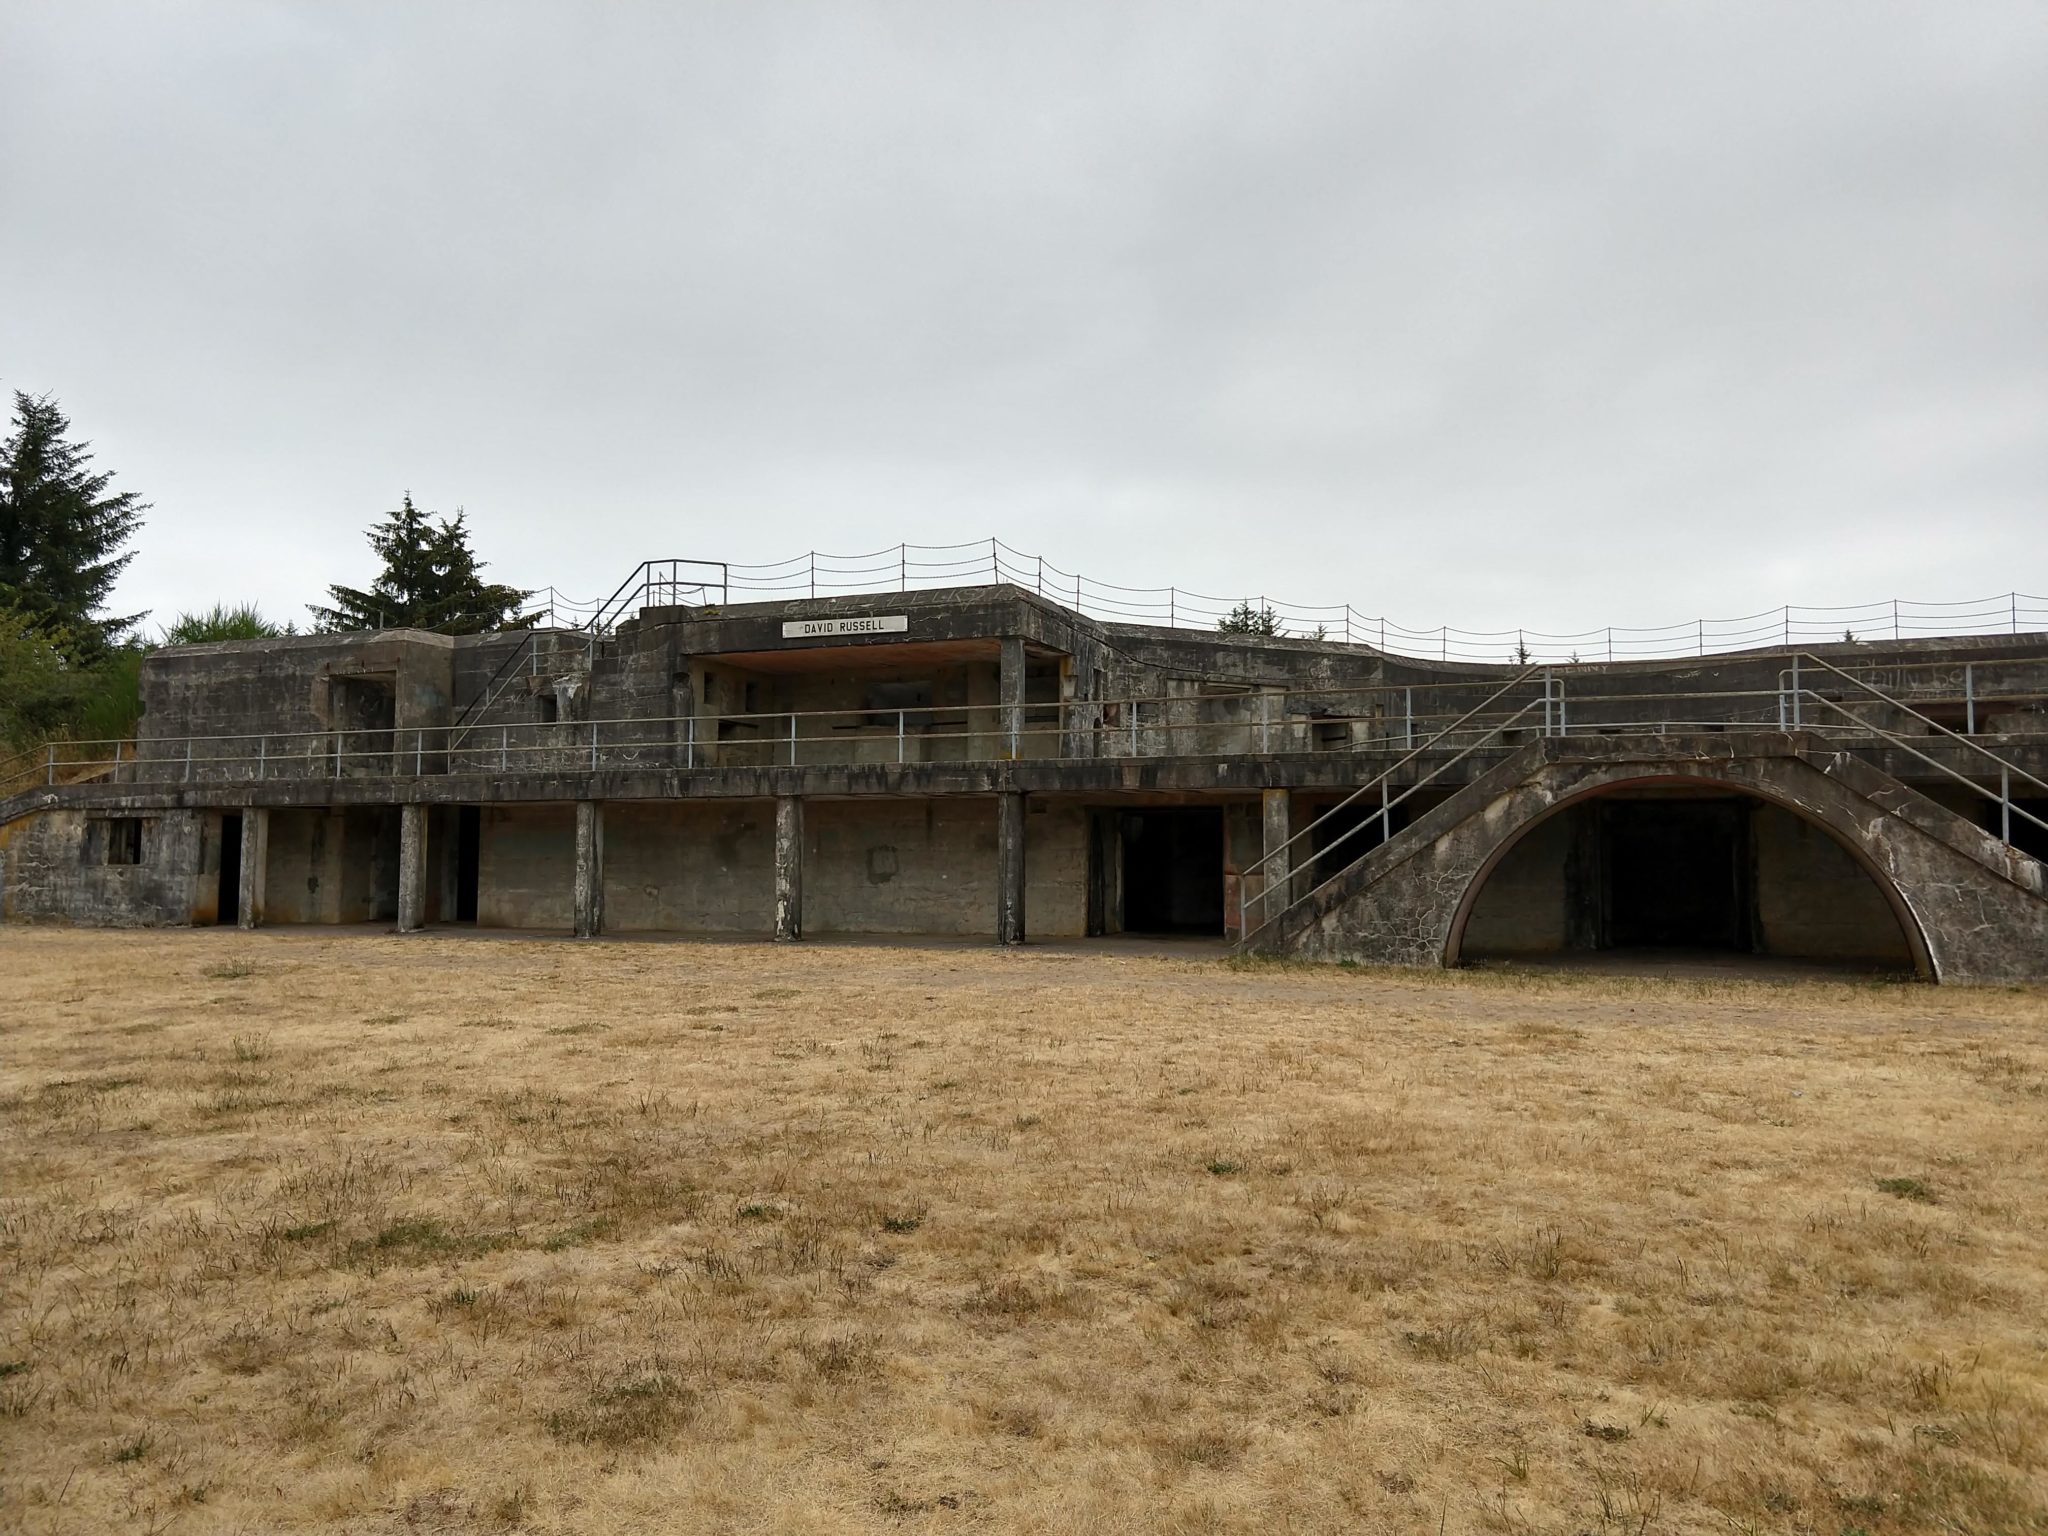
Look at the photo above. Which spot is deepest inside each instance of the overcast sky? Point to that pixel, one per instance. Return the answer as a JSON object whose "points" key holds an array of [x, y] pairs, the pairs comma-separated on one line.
{"points": [[1554, 314]]}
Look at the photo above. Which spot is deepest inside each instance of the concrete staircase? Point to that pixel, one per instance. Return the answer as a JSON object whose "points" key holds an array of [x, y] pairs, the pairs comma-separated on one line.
{"points": [[1974, 908]]}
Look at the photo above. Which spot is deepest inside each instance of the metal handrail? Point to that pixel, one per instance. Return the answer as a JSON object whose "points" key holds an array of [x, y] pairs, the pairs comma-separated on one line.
{"points": [[2003, 799], [1886, 698], [1243, 733], [1274, 853]]}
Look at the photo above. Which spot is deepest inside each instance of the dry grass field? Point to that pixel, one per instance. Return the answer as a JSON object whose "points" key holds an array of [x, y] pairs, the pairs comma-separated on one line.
{"points": [[446, 1234]]}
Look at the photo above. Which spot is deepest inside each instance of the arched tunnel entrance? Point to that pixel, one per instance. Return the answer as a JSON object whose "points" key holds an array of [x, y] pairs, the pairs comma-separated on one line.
{"points": [[1683, 869]]}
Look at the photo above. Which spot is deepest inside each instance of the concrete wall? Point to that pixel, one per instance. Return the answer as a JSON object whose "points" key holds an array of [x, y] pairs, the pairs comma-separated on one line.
{"points": [[332, 865], [1813, 900], [882, 866], [526, 860], [1526, 908], [930, 867], [55, 870], [688, 867]]}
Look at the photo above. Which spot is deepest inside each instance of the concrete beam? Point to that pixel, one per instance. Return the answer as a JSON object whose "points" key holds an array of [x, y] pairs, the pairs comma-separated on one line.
{"points": [[412, 867], [1277, 810], [1009, 868], [589, 868], [1010, 693], [255, 866], [789, 868]]}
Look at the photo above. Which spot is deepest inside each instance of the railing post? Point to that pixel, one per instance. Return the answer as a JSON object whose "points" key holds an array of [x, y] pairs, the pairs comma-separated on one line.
{"points": [[188, 759], [1969, 699], [117, 762], [1408, 736], [1795, 693], [1546, 701], [1895, 618], [1134, 727], [262, 765], [50, 775], [504, 743], [337, 753], [690, 741], [593, 746], [2005, 803], [1172, 608], [792, 738], [419, 754], [899, 735]]}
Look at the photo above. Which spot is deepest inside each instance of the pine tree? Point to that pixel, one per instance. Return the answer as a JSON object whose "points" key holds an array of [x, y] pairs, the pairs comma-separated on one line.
{"points": [[61, 532], [431, 580], [1244, 619]]}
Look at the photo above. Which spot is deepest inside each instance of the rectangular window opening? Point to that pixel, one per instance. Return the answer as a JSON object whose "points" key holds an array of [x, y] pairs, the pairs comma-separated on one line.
{"points": [[121, 840]]}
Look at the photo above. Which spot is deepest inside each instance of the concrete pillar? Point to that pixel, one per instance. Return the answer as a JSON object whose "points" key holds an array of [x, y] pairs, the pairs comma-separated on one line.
{"points": [[1010, 694], [789, 867], [589, 868], [1010, 867], [255, 865], [412, 868], [1277, 808]]}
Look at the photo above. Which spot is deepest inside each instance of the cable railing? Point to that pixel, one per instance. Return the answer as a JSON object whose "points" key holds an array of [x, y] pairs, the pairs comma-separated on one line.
{"points": [[1202, 721], [912, 567]]}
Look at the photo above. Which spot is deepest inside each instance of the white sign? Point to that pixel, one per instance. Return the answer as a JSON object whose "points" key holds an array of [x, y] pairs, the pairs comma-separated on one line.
{"points": [[807, 629]]}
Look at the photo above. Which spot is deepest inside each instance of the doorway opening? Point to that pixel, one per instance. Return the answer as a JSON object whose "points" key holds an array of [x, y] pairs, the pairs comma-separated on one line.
{"points": [[1676, 874], [468, 842], [227, 905], [1172, 870]]}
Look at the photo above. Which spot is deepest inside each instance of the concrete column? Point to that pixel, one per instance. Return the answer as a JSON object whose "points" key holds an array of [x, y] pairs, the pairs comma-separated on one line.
{"points": [[1010, 867], [1010, 694], [412, 868], [1277, 808], [789, 867], [589, 868], [255, 865]]}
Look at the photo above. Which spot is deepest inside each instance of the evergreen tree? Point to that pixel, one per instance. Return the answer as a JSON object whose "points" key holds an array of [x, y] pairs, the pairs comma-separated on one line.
{"points": [[1244, 619], [61, 533], [431, 580]]}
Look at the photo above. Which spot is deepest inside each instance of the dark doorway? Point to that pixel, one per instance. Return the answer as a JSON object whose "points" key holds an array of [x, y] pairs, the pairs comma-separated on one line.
{"points": [[1173, 871], [227, 907], [468, 837], [1677, 874]]}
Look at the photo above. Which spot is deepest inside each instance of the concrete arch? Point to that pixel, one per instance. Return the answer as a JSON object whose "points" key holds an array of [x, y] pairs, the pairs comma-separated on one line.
{"points": [[1970, 909], [1596, 781]]}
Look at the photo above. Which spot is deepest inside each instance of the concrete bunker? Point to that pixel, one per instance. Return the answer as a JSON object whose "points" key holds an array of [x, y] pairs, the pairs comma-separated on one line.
{"points": [[1684, 867]]}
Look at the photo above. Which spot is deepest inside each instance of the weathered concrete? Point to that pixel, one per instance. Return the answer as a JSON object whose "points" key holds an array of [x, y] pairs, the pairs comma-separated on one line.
{"points": [[1276, 885], [412, 868], [59, 867], [1010, 687], [1010, 864], [589, 895], [1969, 909], [789, 868], [525, 862], [251, 900]]}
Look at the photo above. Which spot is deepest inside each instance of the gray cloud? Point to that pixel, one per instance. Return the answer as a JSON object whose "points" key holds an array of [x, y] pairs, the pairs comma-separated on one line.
{"points": [[1559, 315]]}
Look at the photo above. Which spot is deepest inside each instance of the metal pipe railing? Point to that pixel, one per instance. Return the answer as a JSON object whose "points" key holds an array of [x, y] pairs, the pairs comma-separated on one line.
{"points": [[1369, 718]]}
